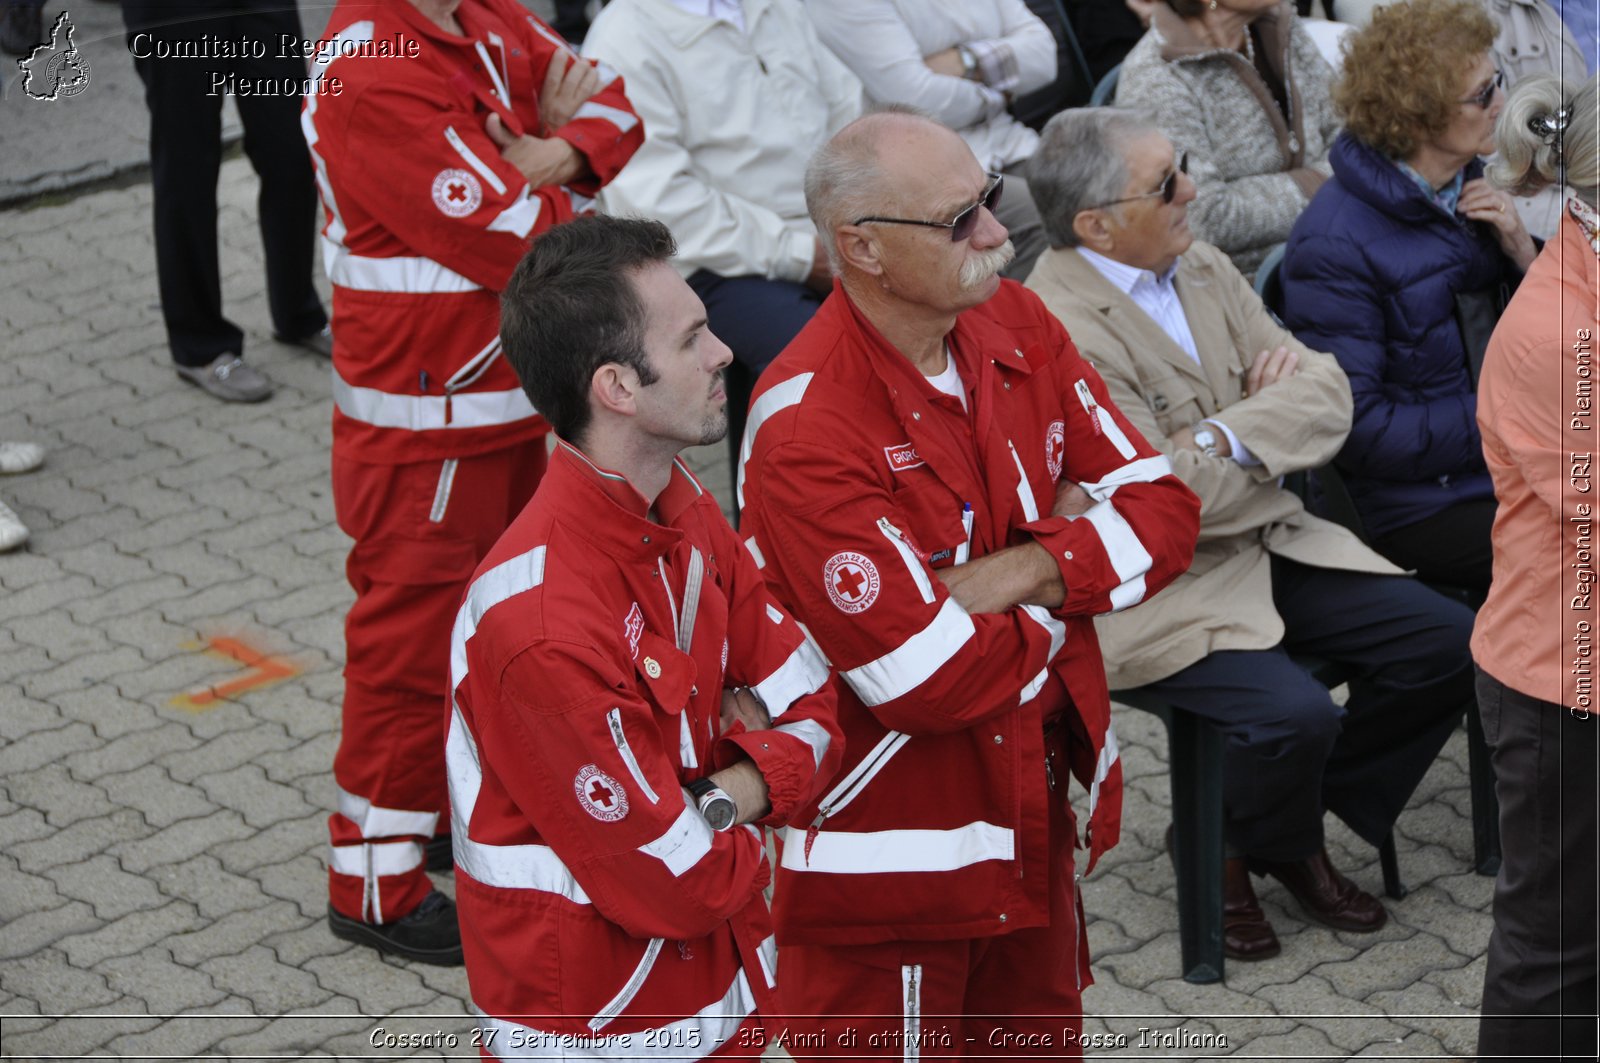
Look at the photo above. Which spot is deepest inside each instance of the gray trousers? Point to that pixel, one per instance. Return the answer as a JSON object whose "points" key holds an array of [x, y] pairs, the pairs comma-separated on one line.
{"points": [[1540, 995]]}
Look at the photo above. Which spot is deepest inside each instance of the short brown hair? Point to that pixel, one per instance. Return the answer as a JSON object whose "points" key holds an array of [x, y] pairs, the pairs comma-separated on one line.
{"points": [[1402, 71]]}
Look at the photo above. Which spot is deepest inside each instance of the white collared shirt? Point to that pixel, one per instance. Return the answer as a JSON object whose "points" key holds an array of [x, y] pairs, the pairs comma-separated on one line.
{"points": [[1158, 297], [727, 10]]}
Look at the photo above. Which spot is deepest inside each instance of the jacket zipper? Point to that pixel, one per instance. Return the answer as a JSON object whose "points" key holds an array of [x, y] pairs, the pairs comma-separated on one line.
{"points": [[1103, 424], [614, 718], [911, 1041], [909, 556], [851, 786], [629, 990], [469, 373]]}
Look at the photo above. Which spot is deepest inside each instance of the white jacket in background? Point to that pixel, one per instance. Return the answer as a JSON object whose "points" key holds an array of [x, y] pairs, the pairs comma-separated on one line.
{"points": [[730, 120], [885, 41]]}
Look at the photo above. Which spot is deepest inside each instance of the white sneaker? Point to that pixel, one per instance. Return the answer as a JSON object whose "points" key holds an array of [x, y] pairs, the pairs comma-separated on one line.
{"points": [[20, 457], [13, 533]]}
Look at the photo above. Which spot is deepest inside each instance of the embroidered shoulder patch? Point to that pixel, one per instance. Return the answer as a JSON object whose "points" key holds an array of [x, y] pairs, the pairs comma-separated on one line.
{"points": [[851, 580], [633, 626], [1055, 448], [457, 193], [600, 795]]}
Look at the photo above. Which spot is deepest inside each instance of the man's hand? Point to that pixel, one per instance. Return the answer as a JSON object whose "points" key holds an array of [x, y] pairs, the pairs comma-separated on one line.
{"points": [[741, 703], [568, 83], [821, 277], [1071, 500], [1017, 575], [542, 160], [1269, 368], [744, 784]]}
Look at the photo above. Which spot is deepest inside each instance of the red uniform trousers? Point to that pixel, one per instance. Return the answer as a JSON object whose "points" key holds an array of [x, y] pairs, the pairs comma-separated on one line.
{"points": [[1013, 994], [420, 530]]}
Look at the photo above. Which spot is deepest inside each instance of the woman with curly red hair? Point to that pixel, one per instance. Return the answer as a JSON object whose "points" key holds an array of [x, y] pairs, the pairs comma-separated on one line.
{"points": [[1398, 267]]}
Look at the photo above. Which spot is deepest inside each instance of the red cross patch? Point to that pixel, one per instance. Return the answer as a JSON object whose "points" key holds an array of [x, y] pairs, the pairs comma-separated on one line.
{"points": [[600, 795], [457, 193], [1055, 448], [851, 581]]}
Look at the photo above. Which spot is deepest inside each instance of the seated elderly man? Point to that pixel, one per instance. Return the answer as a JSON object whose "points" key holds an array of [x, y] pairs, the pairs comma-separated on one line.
{"points": [[735, 96], [1201, 369], [962, 62]]}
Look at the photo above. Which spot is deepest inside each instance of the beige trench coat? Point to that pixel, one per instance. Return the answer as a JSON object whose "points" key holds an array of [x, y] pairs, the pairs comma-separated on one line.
{"points": [[1224, 601]]}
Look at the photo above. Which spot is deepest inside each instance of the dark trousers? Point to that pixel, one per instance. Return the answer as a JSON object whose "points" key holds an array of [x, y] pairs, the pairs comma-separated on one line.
{"points": [[1291, 752], [1452, 546], [186, 153], [755, 317], [1542, 952]]}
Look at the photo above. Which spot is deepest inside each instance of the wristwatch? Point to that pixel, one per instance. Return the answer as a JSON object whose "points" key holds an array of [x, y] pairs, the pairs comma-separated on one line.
{"points": [[1206, 439], [714, 804], [969, 62]]}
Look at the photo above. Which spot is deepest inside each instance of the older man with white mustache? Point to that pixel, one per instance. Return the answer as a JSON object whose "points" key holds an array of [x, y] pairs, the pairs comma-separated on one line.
{"points": [[936, 486]]}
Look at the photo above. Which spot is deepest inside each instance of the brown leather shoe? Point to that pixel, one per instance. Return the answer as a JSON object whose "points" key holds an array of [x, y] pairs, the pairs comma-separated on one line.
{"points": [[1246, 934], [1326, 895]]}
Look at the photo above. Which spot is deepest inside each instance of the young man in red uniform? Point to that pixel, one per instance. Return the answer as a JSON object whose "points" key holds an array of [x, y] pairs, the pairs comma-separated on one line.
{"points": [[450, 133], [937, 487], [629, 703]]}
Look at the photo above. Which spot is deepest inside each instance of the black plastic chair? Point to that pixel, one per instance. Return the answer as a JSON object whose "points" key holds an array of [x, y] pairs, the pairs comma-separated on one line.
{"points": [[1073, 82], [1194, 753]]}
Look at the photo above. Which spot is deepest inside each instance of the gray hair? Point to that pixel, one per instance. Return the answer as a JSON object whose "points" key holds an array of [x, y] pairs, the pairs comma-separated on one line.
{"points": [[1078, 165], [1549, 133], [844, 180]]}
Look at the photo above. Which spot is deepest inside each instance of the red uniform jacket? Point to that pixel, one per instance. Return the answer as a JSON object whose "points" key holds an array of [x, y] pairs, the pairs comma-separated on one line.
{"points": [[856, 476], [426, 221], [595, 902]]}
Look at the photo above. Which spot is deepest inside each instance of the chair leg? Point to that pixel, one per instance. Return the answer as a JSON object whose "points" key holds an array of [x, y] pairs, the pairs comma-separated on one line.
{"points": [[1485, 805], [1195, 749], [1392, 886]]}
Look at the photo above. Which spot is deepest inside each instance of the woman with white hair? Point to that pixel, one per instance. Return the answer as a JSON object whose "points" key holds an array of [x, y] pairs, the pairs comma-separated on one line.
{"points": [[1534, 642]]}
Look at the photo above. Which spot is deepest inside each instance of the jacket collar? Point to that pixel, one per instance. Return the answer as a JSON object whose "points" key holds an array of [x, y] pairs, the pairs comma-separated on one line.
{"points": [[1372, 178], [683, 29], [1066, 269], [611, 513]]}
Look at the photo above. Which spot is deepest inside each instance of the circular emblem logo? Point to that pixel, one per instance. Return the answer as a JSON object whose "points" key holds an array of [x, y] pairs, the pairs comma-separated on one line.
{"points": [[851, 580], [600, 795], [457, 193], [67, 73], [1055, 448]]}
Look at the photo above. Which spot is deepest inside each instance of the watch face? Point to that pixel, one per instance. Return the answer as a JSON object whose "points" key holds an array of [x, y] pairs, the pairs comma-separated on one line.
{"points": [[718, 810]]}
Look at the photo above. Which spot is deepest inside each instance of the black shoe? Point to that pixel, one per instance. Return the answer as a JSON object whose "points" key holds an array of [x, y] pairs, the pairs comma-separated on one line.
{"points": [[21, 28], [428, 935], [439, 854]]}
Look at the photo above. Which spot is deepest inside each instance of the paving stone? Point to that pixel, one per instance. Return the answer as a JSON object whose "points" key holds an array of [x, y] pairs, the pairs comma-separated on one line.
{"points": [[85, 838], [111, 891], [247, 790], [60, 636], [41, 928], [46, 747], [1305, 1041], [47, 976], [225, 753], [1390, 964], [232, 933], [77, 1035], [75, 673], [311, 758], [192, 1037], [63, 799], [272, 987], [106, 710], [105, 564], [132, 933], [24, 715], [326, 1026], [381, 988], [295, 947], [161, 799], [26, 824], [279, 843], [302, 882], [180, 841], [24, 893], [1463, 985], [130, 751], [146, 594], [213, 890], [165, 986]]}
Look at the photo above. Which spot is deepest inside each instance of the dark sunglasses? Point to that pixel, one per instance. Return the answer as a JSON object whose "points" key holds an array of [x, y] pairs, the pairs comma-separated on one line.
{"points": [[1168, 189], [962, 224], [1482, 97]]}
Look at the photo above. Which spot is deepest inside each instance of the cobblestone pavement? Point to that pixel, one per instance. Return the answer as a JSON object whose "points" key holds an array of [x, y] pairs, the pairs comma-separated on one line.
{"points": [[169, 680]]}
